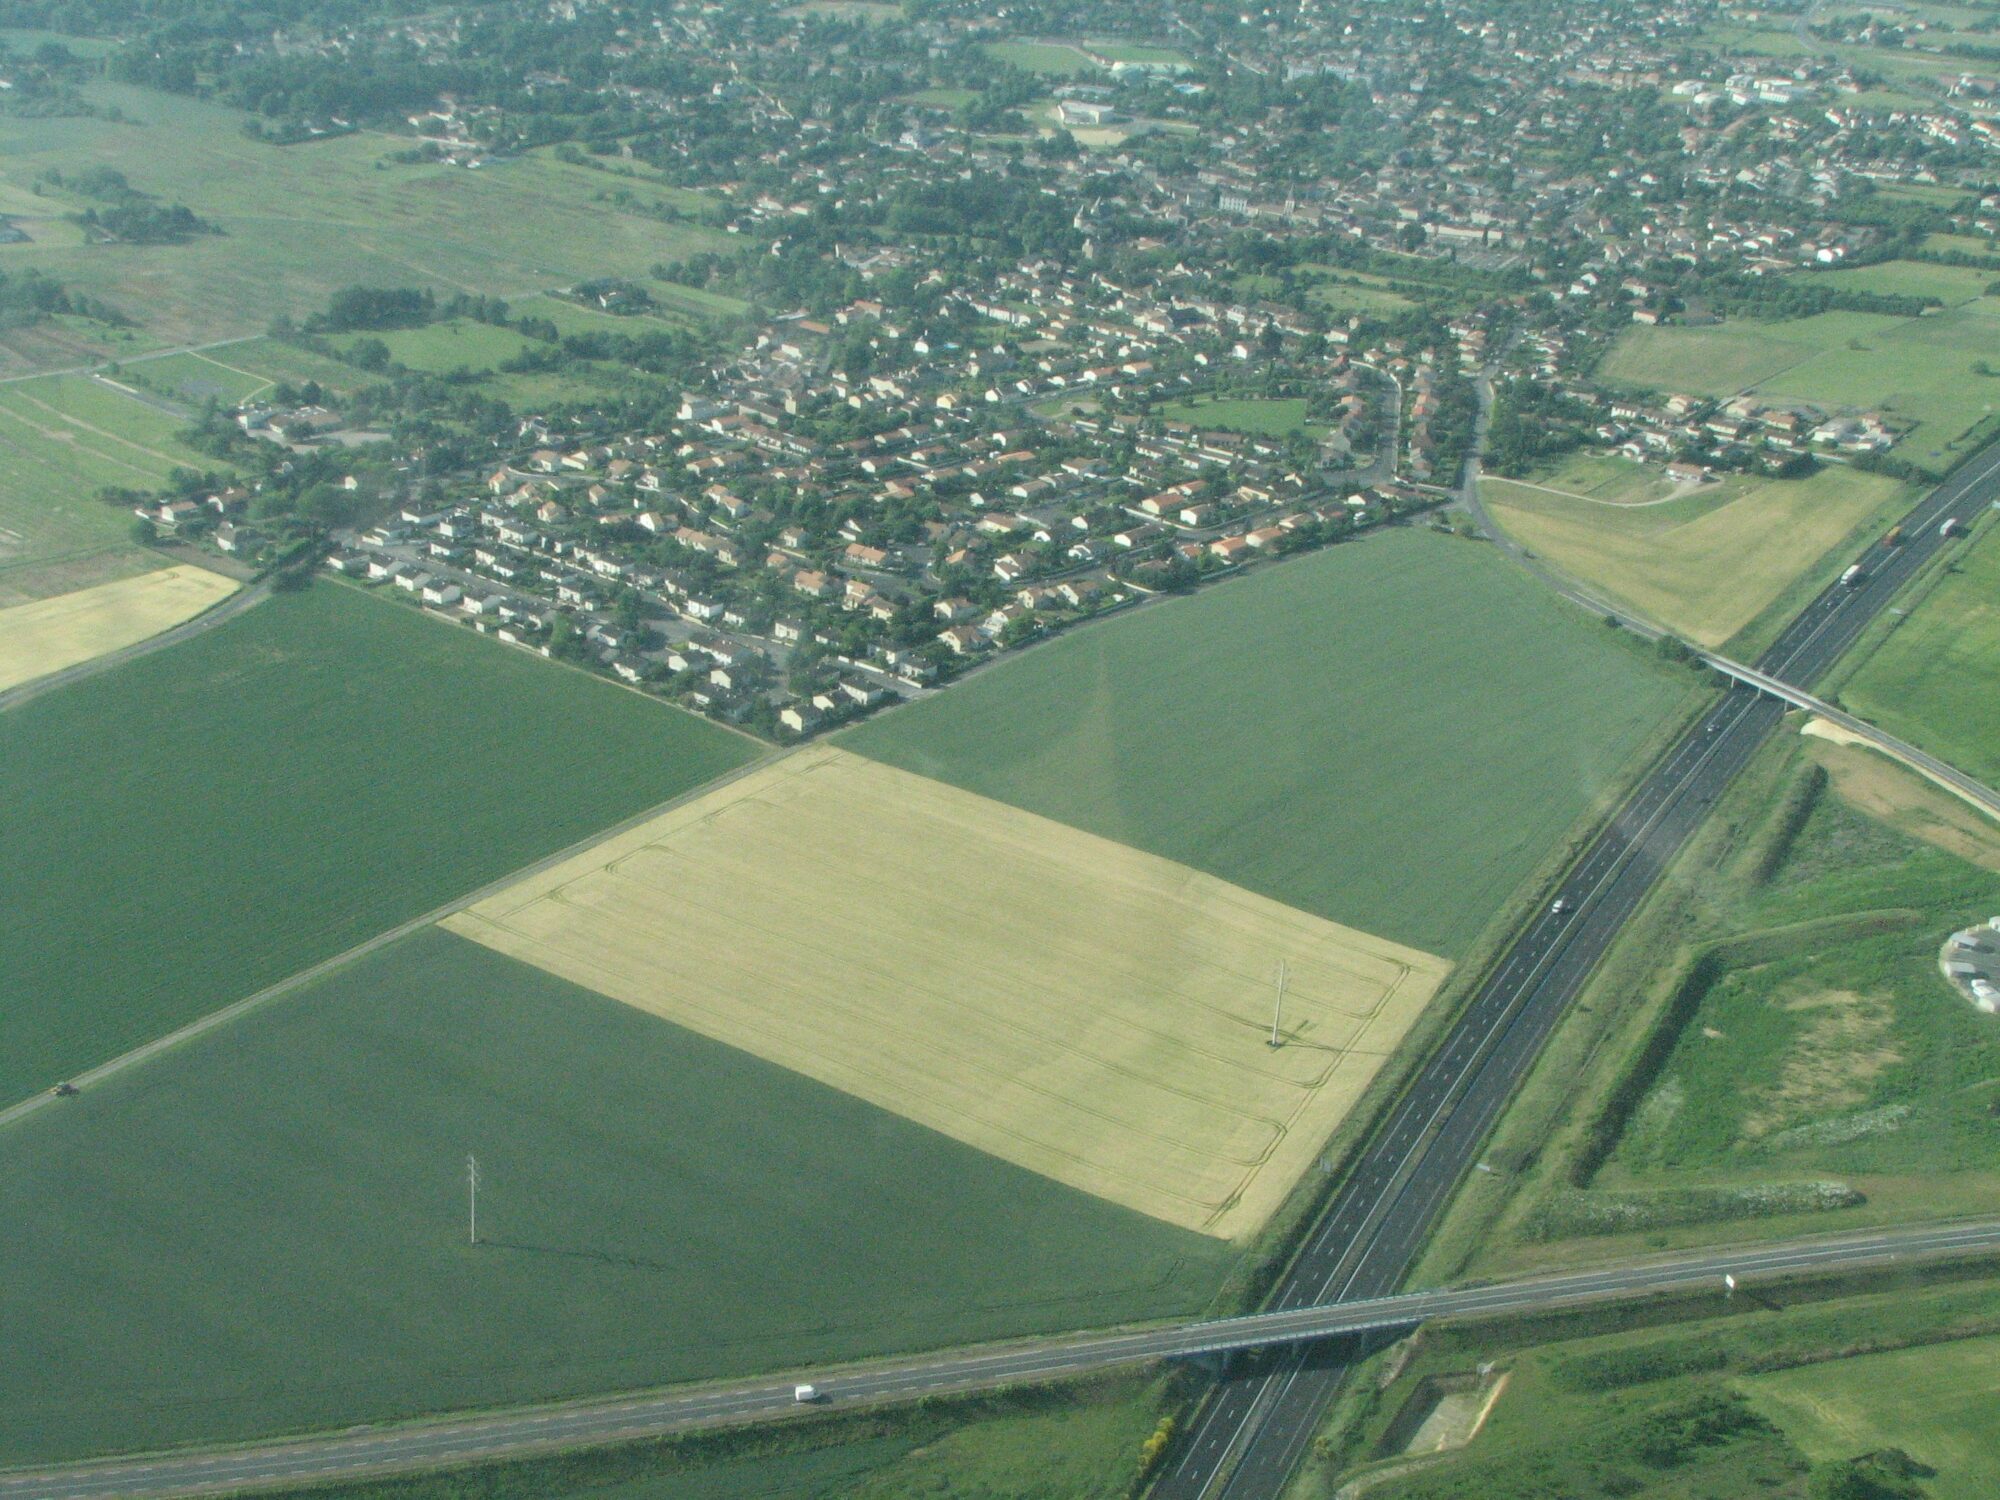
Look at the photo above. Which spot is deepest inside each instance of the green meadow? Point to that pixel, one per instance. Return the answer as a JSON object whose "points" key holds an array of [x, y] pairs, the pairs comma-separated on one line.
{"points": [[298, 222], [1390, 734], [1933, 680], [1916, 371], [1940, 1404], [204, 821], [272, 1219], [62, 439]]}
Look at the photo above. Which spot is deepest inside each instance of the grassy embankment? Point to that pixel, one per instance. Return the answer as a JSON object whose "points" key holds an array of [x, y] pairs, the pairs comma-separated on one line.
{"points": [[1770, 1049], [1722, 564], [1782, 1393], [1932, 678]]}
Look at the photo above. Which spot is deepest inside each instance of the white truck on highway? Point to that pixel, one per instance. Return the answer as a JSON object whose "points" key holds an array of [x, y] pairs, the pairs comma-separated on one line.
{"points": [[805, 1395]]}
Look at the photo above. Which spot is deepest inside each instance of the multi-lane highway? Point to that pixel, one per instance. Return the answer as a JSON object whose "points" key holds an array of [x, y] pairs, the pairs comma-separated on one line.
{"points": [[487, 1435], [1247, 1437]]}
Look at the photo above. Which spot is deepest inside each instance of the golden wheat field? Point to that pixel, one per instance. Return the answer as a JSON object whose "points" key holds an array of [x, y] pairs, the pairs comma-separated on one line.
{"points": [[49, 634], [1072, 1005]]}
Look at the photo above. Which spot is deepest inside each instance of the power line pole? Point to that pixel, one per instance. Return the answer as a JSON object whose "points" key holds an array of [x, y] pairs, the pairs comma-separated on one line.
{"points": [[1278, 1006], [472, 1198]]}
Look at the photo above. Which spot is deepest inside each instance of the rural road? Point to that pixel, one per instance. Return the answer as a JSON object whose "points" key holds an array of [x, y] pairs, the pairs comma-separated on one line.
{"points": [[1245, 1440], [21, 1109], [628, 1416], [207, 620]]}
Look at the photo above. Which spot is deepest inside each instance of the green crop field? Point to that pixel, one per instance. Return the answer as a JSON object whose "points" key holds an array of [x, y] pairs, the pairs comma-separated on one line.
{"points": [[1706, 565], [1915, 371], [1389, 734], [1940, 1404], [303, 777], [300, 221], [63, 438], [272, 1219], [1270, 417], [1932, 680]]}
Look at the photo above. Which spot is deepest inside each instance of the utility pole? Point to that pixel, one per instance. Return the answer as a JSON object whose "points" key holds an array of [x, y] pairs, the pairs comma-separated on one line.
{"points": [[1278, 1006], [472, 1198]]}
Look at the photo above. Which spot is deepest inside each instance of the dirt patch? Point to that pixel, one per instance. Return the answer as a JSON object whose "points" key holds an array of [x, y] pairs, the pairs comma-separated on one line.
{"points": [[1891, 793], [1456, 1418], [1841, 1049]]}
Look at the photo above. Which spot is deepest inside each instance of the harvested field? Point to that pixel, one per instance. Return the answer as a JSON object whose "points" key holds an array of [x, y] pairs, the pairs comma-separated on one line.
{"points": [[50, 634], [1068, 1004]]}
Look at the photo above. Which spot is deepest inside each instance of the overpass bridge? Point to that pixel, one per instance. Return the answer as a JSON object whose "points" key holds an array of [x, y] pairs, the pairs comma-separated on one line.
{"points": [[629, 1416], [1941, 772]]}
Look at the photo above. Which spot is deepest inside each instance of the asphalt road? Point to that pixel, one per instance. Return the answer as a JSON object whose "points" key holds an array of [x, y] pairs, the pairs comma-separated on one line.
{"points": [[1246, 1439], [377, 1450], [244, 598]]}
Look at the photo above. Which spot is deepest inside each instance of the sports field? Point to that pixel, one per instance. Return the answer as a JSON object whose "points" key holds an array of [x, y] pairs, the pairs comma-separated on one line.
{"points": [[1076, 1007], [1271, 417], [188, 827], [1708, 564], [50, 634], [272, 1219], [1054, 58], [1915, 370], [1939, 1403], [1936, 679], [1388, 734]]}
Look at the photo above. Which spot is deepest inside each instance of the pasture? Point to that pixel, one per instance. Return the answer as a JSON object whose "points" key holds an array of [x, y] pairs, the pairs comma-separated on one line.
{"points": [[51, 634], [1065, 1003], [1938, 1403], [188, 827], [1263, 416], [1916, 371], [1389, 734], [1932, 679], [63, 438], [452, 344], [272, 1219], [301, 221], [1708, 564]]}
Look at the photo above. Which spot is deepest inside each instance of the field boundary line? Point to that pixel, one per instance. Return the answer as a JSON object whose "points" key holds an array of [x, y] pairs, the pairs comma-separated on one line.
{"points": [[1681, 492], [14, 1113]]}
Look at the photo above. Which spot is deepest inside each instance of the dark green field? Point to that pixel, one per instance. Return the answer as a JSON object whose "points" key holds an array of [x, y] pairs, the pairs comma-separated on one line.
{"points": [[190, 827], [272, 1221], [1390, 734]]}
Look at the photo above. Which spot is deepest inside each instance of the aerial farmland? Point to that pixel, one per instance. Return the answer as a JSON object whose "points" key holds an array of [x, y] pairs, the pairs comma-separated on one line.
{"points": [[1102, 1016]]}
